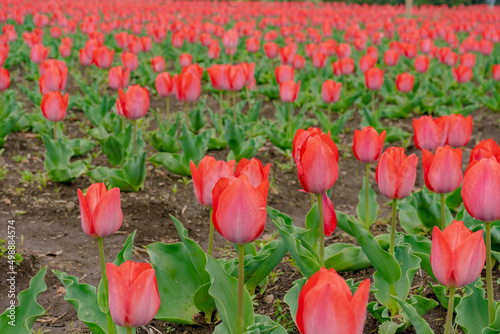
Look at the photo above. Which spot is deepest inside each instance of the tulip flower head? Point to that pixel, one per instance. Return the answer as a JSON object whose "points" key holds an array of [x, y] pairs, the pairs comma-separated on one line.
{"points": [[430, 133], [284, 73], [54, 106], [4, 79], [158, 64], [330, 91], [187, 87], [443, 170], [462, 74], [460, 130], [134, 104], [368, 144], [485, 149], [254, 170], [118, 78], [164, 84], [289, 91], [374, 78], [396, 173], [405, 82]]}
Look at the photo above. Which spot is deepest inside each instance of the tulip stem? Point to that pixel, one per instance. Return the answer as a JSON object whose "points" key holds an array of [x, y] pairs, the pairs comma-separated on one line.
{"points": [[135, 137], [373, 102], [451, 305], [241, 279], [290, 115], [129, 330], [489, 276], [211, 236], [393, 224], [321, 232], [367, 197], [55, 131], [168, 108], [248, 97], [234, 107], [313, 200], [221, 110], [105, 282], [443, 221], [186, 114]]}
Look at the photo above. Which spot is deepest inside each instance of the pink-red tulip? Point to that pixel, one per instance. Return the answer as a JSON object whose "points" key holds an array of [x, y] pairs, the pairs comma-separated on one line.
{"points": [[134, 103], [134, 299], [158, 64], [4, 79], [53, 79], [443, 170], [130, 61], [367, 144], [100, 210], [254, 170], [319, 60], [252, 44], [374, 78], [391, 57], [289, 91], [284, 73], [462, 74], [430, 133], [405, 82], [299, 62], [164, 84], [460, 130], [330, 91], [485, 149], [366, 62], [54, 106], [271, 50], [39, 53], [185, 59], [468, 59], [346, 65], [118, 78], [422, 64], [187, 87], [102, 57], [495, 72], [219, 76], [396, 173]]}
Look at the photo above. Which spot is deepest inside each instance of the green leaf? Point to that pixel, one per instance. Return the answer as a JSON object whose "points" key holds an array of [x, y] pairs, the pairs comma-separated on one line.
{"points": [[264, 325], [388, 327], [80, 146], [420, 325], [408, 217], [385, 263], [204, 301], [135, 170], [345, 257], [292, 296], [340, 123], [421, 247], [171, 162], [441, 294], [312, 225], [224, 289], [494, 328], [372, 205], [472, 312], [114, 150], [28, 309], [83, 297]]}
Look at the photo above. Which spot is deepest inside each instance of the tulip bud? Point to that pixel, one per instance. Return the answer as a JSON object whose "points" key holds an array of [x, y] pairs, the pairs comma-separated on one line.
{"points": [[284, 73], [254, 170], [443, 170], [330, 91], [134, 103], [299, 62], [396, 173], [130, 61], [289, 91], [405, 82], [206, 175], [374, 78], [102, 57], [187, 87], [164, 84], [39, 53], [158, 64], [460, 130], [271, 50], [366, 62], [54, 106], [4, 79], [496, 72], [319, 60], [286, 55], [185, 59], [391, 57], [462, 74], [485, 149], [252, 44], [430, 133], [421, 64], [367, 144]]}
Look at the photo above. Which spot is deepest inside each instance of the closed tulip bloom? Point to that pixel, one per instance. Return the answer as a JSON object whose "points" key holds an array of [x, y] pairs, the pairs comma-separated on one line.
{"points": [[164, 84], [205, 39], [468, 59], [284, 73], [102, 57], [249, 71], [319, 60], [422, 64], [330, 91], [366, 62], [53, 79], [374, 78], [372, 52], [485, 149], [134, 103], [230, 39], [289, 91], [130, 61], [100, 210], [4, 53], [495, 71], [426, 45], [460, 130], [299, 62], [122, 39], [54, 106], [286, 55], [4, 79], [147, 43], [254, 170], [310, 49], [430, 133], [343, 50], [118, 78], [178, 39], [299, 138], [39, 53], [396, 173], [443, 170], [239, 209], [271, 50], [158, 64], [368, 144], [391, 57], [462, 74], [85, 60], [237, 78], [194, 69], [405, 82], [327, 306], [187, 87], [64, 50], [134, 299], [219, 76], [213, 51], [346, 65], [185, 59], [457, 255], [252, 44], [480, 190], [485, 47], [206, 175]]}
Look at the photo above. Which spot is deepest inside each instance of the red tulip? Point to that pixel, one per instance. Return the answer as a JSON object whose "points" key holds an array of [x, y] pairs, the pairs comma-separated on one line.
{"points": [[391, 57], [207, 174], [205, 39], [54, 106], [158, 64], [396, 173], [299, 62], [367, 144], [422, 64], [102, 57], [249, 71], [118, 78], [185, 59], [343, 50], [300, 136], [85, 60], [130, 61], [430, 133], [480, 190], [326, 305], [178, 39], [147, 43], [405, 82], [254, 170], [213, 51], [239, 209], [284, 73], [64, 50], [462, 74], [346, 66], [319, 60], [194, 69], [310, 49], [230, 39], [330, 91], [134, 103], [39, 53], [468, 59], [460, 130], [271, 50], [457, 255], [366, 62], [237, 78], [443, 170], [252, 44], [372, 52], [426, 45], [4, 79], [4, 53], [219, 76], [289, 91], [286, 55], [187, 87], [164, 84], [134, 299], [485, 47], [53, 79], [374, 78], [122, 39], [100, 210], [485, 149], [496, 72]]}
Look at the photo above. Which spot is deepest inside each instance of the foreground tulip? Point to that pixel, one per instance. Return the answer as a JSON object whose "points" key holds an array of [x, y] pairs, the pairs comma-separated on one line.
{"points": [[158, 64], [118, 78], [326, 305], [284, 73], [54, 107], [457, 259], [485, 149], [481, 197], [460, 130], [430, 133], [187, 88], [396, 174], [134, 299], [289, 91], [4, 79], [330, 92], [462, 74], [374, 78], [405, 82], [53, 79]]}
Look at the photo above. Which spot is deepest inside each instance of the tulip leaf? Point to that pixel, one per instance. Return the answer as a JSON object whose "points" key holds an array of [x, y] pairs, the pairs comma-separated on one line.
{"points": [[171, 162], [386, 264], [224, 290], [204, 301], [343, 222], [372, 205], [163, 142], [80, 146], [421, 247], [428, 211], [83, 297], [495, 326], [345, 257], [472, 312], [27, 311], [292, 296], [421, 326], [135, 170], [312, 225], [441, 294], [114, 150], [454, 199], [263, 325]]}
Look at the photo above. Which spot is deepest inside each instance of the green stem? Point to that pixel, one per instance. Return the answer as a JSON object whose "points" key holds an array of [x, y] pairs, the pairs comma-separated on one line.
{"points": [[329, 109], [211, 236], [221, 110], [290, 115], [234, 107], [373, 102], [489, 276], [443, 221], [135, 137], [393, 225], [241, 278], [55, 131], [321, 232], [123, 123], [129, 330], [366, 197], [313, 200], [186, 113], [393, 307], [168, 108], [105, 282], [451, 305], [248, 97]]}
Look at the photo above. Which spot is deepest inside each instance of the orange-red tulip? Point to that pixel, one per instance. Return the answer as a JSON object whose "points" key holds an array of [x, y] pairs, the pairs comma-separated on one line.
{"points": [[368, 144], [430, 133], [396, 173], [443, 170], [134, 103], [54, 106]]}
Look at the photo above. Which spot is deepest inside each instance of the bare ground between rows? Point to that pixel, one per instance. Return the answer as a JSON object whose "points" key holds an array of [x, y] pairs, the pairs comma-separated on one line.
{"points": [[49, 231]]}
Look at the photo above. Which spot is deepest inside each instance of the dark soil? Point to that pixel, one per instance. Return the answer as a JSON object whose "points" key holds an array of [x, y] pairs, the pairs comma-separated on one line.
{"points": [[49, 229]]}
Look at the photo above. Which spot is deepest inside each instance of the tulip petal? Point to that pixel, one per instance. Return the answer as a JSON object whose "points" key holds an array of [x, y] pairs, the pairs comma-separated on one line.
{"points": [[329, 216], [408, 175], [442, 258], [108, 216], [387, 176], [143, 299], [86, 216], [117, 289], [470, 257], [320, 169]]}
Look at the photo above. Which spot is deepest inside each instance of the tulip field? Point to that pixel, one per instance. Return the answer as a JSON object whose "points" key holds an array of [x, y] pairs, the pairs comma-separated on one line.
{"points": [[249, 167]]}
